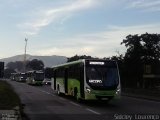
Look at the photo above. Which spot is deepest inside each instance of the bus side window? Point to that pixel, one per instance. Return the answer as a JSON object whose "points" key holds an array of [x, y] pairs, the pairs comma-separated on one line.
{"points": [[60, 73], [74, 72]]}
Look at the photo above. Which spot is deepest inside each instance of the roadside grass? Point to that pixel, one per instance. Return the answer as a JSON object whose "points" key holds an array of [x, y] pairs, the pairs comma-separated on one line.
{"points": [[8, 98]]}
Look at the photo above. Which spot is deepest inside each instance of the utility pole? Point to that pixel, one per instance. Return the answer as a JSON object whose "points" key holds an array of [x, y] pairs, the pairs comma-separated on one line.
{"points": [[25, 50]]}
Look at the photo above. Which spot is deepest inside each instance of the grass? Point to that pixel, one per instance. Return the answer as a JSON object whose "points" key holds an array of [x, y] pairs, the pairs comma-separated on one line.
{"points": [[8, 98]]}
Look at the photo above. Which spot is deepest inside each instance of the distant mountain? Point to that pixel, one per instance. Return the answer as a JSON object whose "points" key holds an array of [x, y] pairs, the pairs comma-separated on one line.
{"points": [[48, 61]]}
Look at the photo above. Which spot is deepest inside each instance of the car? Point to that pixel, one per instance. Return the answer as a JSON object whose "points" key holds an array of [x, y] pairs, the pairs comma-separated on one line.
{"points": [[47, 81]]}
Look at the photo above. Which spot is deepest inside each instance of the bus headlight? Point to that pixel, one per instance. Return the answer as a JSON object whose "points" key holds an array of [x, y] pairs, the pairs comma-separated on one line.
{"points": [[88, 90], [118, 91]]}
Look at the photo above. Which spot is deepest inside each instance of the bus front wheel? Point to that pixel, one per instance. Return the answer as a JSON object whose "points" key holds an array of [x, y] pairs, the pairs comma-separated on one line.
{"points": [[75, 95]]}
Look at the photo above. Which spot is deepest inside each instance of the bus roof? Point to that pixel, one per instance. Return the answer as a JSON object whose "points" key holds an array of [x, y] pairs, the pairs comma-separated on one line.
{"points": [[69, 63], [35, 71], [78, 61]]}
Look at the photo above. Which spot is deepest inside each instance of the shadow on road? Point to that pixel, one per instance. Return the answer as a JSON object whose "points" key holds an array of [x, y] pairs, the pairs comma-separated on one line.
{"points": [[94, 103]]}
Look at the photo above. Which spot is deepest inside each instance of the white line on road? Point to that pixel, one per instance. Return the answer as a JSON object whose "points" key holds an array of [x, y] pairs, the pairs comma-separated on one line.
{"points": [[52, 95], [75, 104], [47, 92], [93, 111], [62, 98]]}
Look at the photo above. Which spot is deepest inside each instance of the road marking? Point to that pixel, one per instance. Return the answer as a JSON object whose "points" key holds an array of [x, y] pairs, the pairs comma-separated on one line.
{"points": [[62, 98], [75, 104], [47, 92], [44, 91], [93, 111], [52, 95]]}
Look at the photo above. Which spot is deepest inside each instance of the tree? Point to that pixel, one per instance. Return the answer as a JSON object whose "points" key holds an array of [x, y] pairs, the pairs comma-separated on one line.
{"points": [[7, 72], [76, 57], [18, 65], [11, 65], [48, 72], [141, 49], [35, 65], [151, 46]]}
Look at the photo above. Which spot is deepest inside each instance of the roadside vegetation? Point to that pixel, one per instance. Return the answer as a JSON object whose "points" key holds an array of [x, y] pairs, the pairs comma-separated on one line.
{"points": [[8, 98]]}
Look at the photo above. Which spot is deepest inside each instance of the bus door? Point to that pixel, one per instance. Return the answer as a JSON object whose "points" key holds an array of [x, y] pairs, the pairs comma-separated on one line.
{"points": [[66, 80], [81, 70], [55, 80]]}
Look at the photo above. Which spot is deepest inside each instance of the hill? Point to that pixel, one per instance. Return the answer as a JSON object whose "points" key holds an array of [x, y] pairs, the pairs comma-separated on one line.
{"points": [[48, 61]]}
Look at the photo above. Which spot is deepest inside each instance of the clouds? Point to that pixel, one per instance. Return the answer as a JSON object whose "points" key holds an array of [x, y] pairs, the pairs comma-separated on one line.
{"points": [[145, 5], [101, 44], [47, 15], [69, 27], [59, 14]]}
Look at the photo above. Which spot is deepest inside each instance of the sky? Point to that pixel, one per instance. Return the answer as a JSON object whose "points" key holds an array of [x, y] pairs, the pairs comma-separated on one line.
{"points": [[70, 27]]}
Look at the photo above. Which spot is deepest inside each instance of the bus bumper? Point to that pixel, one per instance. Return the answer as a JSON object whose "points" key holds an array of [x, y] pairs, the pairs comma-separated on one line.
{"points": [[103, 95]]}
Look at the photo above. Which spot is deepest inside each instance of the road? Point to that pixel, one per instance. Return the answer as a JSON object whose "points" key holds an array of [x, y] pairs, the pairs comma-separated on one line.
{"points": [[41, 103]]}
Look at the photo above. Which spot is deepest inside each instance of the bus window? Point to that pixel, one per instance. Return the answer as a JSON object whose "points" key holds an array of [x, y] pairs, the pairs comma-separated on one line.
{"points": [[102, 77]]}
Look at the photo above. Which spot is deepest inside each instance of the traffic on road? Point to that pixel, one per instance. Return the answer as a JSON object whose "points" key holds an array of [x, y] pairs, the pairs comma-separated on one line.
{"points": [[41, 102]]}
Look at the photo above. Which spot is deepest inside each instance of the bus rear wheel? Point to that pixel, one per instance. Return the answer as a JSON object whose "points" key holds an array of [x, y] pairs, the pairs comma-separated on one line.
{"points": [[75, 93]]}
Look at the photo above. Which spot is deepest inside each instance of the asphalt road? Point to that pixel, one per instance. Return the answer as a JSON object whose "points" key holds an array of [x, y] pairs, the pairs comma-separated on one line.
{"points": [[41, 103]]}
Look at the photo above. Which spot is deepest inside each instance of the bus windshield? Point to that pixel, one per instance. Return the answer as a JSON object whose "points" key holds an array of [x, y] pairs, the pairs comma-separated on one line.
{"points": [[102, 77], [39, 76], [23, 75]]}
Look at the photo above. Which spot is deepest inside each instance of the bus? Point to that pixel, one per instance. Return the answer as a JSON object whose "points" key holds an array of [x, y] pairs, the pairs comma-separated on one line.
{"points": [[21, 77], [87, 79], [13, 76], [35, 77]]}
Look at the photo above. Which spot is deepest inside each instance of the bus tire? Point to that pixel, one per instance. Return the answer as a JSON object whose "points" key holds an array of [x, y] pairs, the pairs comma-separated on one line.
{"points": [[76, 95]]}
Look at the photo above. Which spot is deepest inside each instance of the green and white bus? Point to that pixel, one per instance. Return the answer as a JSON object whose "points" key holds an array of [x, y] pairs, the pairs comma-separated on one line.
{"points": [[87, 79], [35, 77], [13, 76], [21, 77]]}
